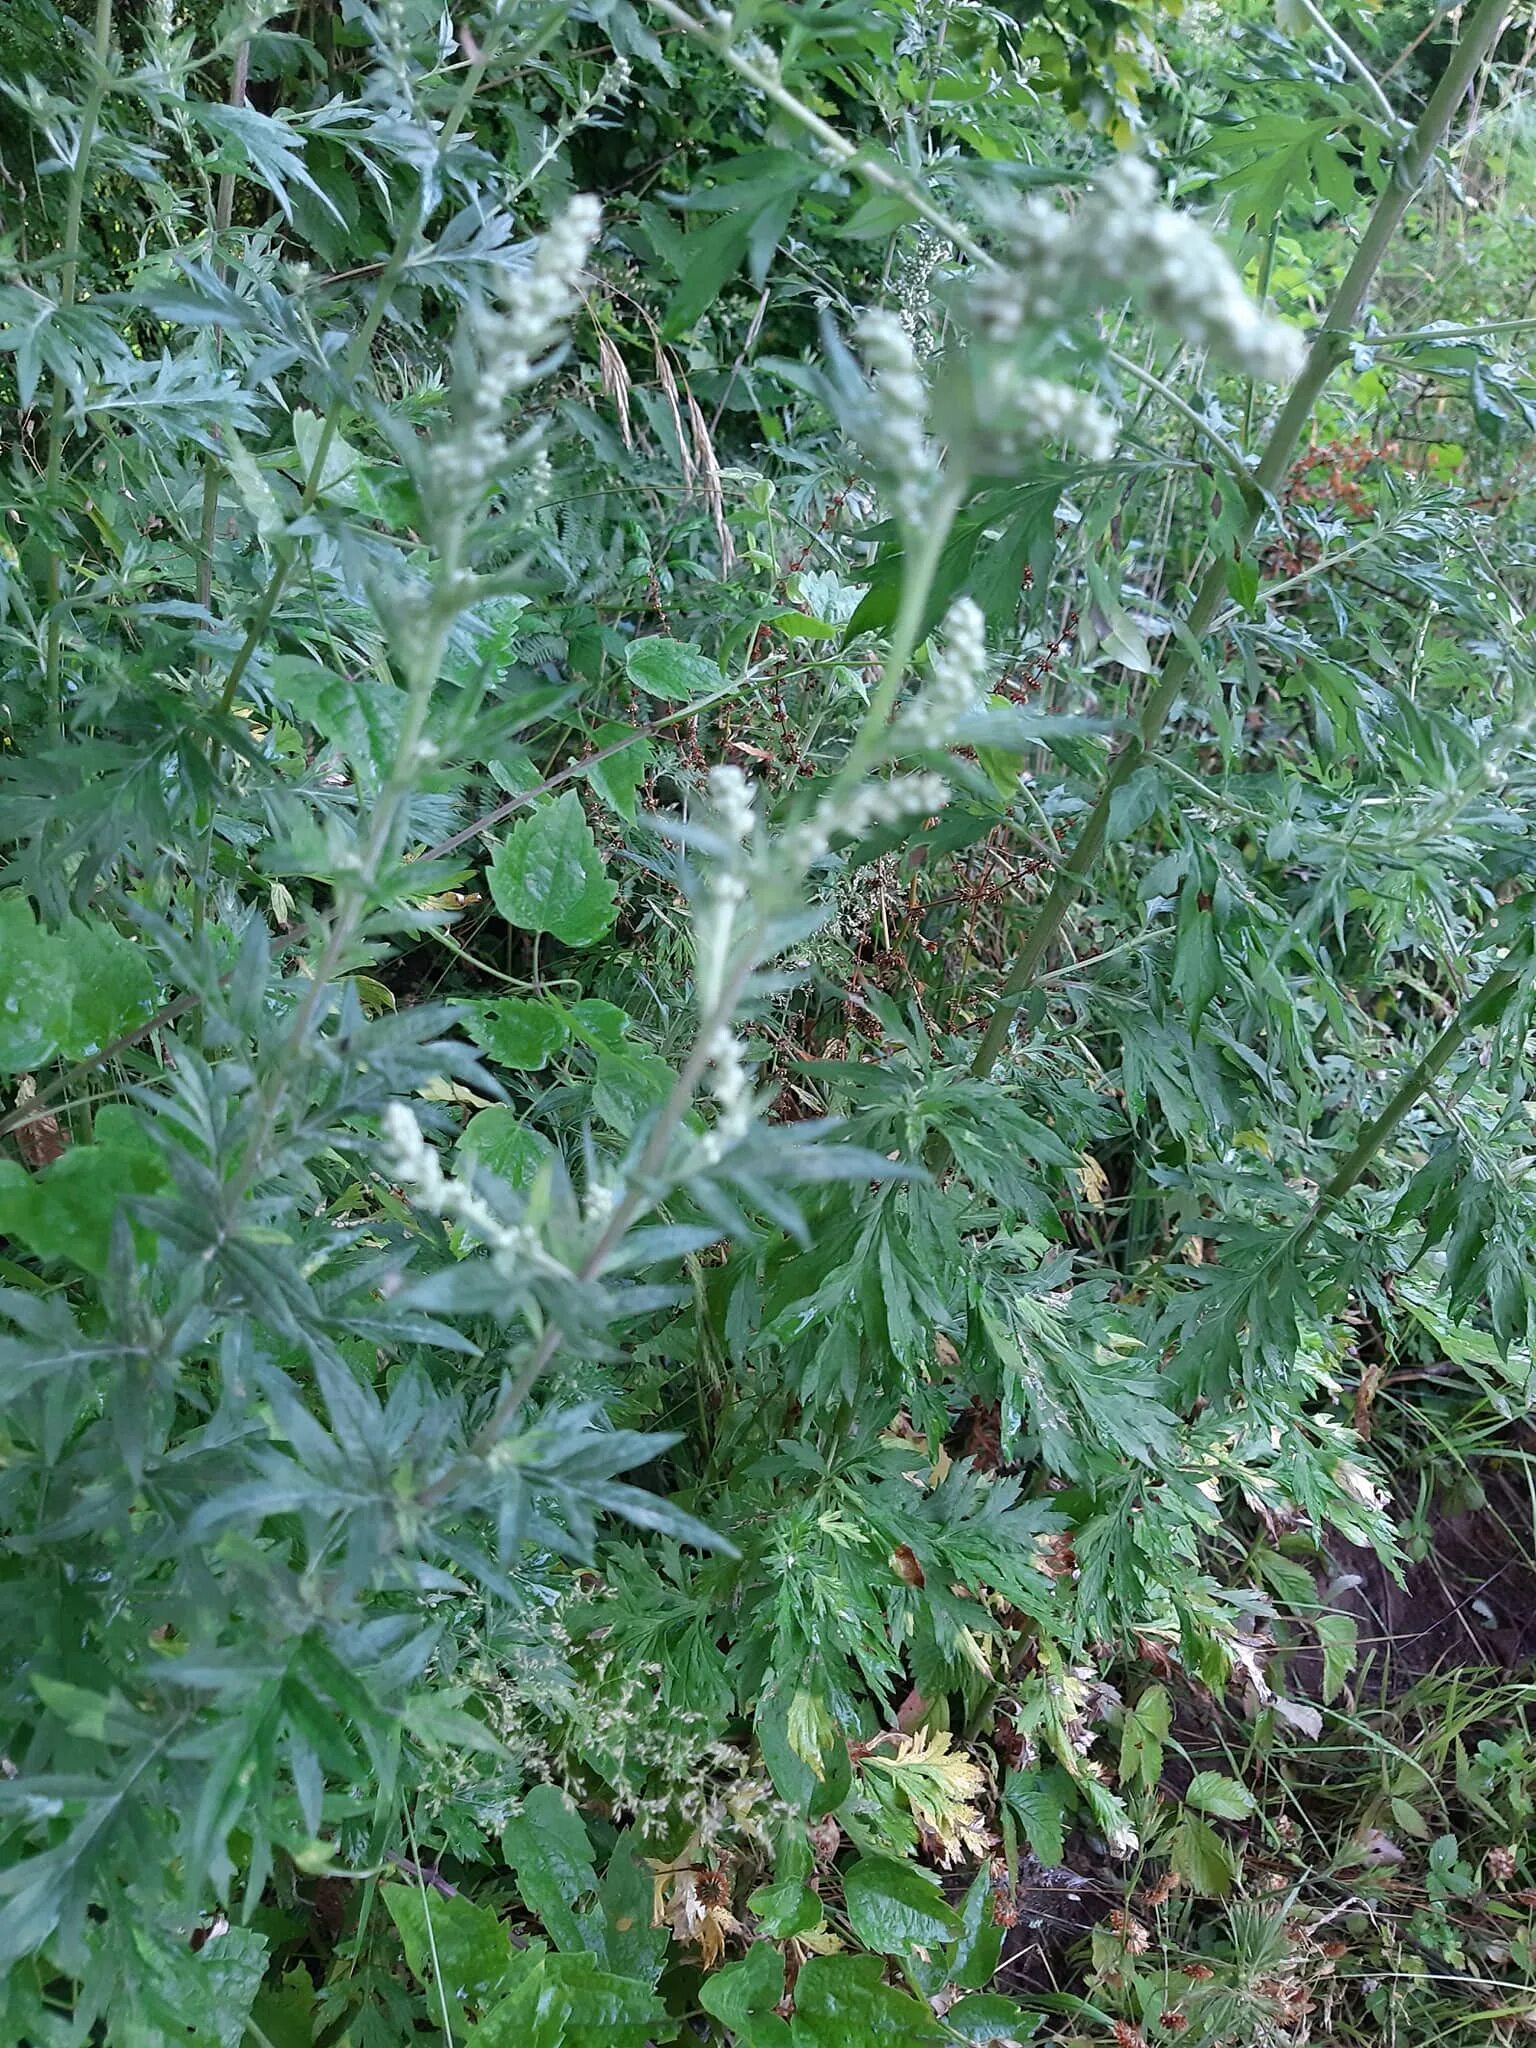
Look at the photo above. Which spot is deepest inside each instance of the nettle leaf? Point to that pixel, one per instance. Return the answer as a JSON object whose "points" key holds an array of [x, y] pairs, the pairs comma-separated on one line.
{"points": [[1200, 1857], [1041, 1800], [518, 1034], [1142, 1736], [618, 776], [35, 1003], [630, 1086], [567, 2001], [1211, 1792], [844, 2002], [895, 1907], [671, 669], [550, 1856], [452, 1942], [67, 1210], [548, 875], [495, 1139], [743, 1997]]}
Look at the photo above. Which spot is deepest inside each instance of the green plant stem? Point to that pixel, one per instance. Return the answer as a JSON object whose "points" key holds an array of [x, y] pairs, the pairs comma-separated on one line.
{"points": [[1482, 1009], [924, 552], [1150, 381], [287, 548], [69, 276], [223, 213], [1475, 332], [1352, 60], [1327, 349], [639, 1185], [837, 147]]}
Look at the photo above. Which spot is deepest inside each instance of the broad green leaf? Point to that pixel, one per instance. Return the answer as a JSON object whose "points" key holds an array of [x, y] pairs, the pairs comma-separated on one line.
{"points": [[844, 2002], [629, 1087], [895, 1907], [672, 669], [743, 1996], [551, 1859], [985, 2017], [979, 1946], [786, 1908], [1142, 1736], [631, 1946], [519, 1034], [454, 1943], [495, 1139], [618, 776], [1339, 1634], [709, 256], [598, 1024], [67, 1210], [112, 987], [1211, 1792], [548, 876], [1200, 1857], [1040, 1799], [566, 2001], [174, 1992], [36, 989]]}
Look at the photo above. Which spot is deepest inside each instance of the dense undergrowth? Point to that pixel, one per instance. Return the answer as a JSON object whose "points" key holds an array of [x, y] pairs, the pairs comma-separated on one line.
{"points": [[765, 982]]}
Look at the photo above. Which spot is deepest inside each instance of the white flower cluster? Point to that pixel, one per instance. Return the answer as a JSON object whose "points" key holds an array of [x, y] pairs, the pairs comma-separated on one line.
{"points": [[1123, 241], [730, 797], [1043, 410], [714, 921], [500, 348], [896, 425], [851, 816], [731, 1086], [956, 686], [416, 1166]]}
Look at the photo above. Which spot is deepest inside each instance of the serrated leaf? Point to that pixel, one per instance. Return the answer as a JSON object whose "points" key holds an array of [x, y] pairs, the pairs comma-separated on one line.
{"points": [[618, 776], [518, 1034], [36, 992], [548, 875], [454, 1943], [1039, 1800], [495, 1139], [1200, 1857], [671, 669], [743, 1996], [1142, 1736], [1338, 1634], [896, 1907], [629, 1087], [1212, 1792], [844, 2002]]}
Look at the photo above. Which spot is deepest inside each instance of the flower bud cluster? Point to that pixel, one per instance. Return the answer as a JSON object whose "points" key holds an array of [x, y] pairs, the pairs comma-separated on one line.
{"points": [[859, 812], [414, 1163], [895, 426], [500, 350], [1124, 242], [1041, 409], [957, 683], [731, 1086]]}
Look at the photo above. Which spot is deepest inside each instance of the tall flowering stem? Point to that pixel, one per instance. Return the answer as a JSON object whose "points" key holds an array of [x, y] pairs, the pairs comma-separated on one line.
{"points": [[1478, 38]]}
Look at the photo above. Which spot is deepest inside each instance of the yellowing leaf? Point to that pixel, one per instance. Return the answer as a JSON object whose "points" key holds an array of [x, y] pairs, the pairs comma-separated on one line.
{"points": [[941, 1785]]}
